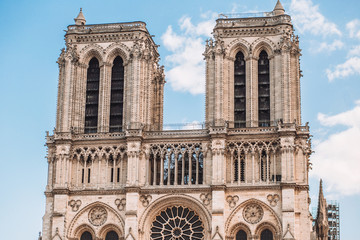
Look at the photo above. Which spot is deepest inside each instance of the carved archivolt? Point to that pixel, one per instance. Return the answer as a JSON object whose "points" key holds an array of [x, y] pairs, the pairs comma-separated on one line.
{"points": [[237, 227], [238, 45], [94, 218], [81, 229], [267, 225], [90, 51], [110, 227], [263, 43], [117, 49]]}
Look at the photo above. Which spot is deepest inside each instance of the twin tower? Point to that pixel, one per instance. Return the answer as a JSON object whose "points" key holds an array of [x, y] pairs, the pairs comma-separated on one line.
{"points": [[115, 174]]}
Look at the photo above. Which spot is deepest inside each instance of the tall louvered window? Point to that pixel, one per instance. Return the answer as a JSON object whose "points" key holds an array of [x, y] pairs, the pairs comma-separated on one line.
{"points": [[92, 96], [264, 90], [239, 91], [117, 95]]}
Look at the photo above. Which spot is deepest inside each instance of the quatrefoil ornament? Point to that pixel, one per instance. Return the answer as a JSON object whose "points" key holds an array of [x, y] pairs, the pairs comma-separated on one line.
{"points": [[273, 199], [120, 203], [232, 200], [75, 205], [145, 199]]}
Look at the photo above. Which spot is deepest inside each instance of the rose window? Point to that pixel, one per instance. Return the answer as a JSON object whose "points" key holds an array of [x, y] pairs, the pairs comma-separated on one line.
{"points": [[177, 223]]}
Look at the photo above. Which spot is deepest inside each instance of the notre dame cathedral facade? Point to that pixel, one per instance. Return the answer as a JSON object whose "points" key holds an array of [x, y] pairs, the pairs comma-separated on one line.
{"points": [[114, 173]]}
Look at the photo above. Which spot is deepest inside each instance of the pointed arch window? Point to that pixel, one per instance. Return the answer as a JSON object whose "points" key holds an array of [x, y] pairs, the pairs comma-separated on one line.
{"points": [[239, 91], [241, 235], [264, 90], [112, 235], [92, 96], [117, 95], [266, 235], [86, 236]]}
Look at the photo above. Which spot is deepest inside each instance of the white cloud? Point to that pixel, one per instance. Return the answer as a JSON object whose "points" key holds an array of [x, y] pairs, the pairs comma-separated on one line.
{"points": [[337, 159], [185, 63], [171, 40], [354, 28], [348, 68], [192, 125], [307, 18], [355, 51], [335, 45]]}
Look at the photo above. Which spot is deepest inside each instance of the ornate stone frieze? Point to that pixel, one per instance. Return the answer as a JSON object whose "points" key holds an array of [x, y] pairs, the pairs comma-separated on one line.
{"points": [[99, 151], [75, 205], [98, 216], [253, 213], [253, 146]]}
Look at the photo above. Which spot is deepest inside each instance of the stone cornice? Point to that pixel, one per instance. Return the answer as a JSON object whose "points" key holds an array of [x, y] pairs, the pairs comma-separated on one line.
{"points": [[253, 22]]}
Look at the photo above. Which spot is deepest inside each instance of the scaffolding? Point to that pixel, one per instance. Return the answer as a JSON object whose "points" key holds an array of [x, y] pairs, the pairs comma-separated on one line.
{"points": [[334, 220]]}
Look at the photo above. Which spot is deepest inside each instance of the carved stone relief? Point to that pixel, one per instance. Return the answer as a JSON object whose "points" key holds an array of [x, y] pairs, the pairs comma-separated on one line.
{"points": [[75, 205], [273, 199], [145, 200], [97, 216], [253, 213], [120, 203], [206, 198], [232, 200]]}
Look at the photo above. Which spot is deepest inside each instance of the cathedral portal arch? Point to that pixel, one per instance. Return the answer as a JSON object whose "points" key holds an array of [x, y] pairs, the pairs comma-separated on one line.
{"points": [[161, 204], [269, 219], [82, 221]]}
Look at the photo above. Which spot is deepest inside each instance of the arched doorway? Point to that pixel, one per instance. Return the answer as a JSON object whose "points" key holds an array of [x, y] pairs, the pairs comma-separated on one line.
{"points": [[266, 235], [86, 236], [241, 235]]}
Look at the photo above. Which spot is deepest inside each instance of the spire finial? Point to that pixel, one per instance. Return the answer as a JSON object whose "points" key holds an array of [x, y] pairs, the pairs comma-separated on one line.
{"points": [[80, 19], [279, 9]]}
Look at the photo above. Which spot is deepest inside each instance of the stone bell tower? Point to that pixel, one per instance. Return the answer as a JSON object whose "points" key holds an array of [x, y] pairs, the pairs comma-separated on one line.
{"points": [[110, 86], [91, 98], [253, 72]]}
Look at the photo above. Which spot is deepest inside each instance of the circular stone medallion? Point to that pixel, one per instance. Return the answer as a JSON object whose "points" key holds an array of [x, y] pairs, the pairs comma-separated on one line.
{"points": [[253, 213], [97, 216]]}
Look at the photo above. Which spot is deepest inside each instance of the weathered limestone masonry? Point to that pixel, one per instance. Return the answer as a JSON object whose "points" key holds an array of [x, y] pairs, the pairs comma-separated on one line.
{"points": [[115, 174]]}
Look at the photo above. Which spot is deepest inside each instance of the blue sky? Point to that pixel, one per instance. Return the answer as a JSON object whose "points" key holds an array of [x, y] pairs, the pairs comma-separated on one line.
{"points": [[30, 42]]}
